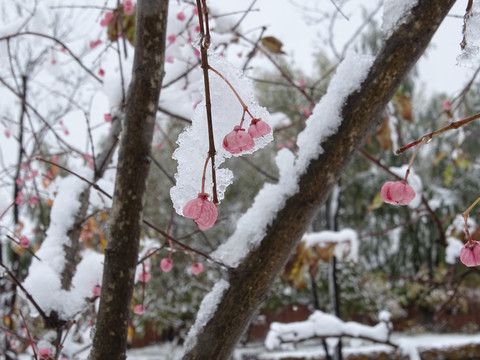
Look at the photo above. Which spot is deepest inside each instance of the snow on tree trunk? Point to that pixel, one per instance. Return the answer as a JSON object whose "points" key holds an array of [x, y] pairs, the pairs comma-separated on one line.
{"points": [[251, 280], [121, 254]]}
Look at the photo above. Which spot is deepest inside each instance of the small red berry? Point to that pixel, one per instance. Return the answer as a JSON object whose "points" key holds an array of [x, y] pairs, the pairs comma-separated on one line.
{"points": [[196, 268], [166, 265]]}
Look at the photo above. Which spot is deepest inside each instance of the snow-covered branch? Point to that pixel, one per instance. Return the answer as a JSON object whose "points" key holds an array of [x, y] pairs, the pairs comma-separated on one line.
{"points": [[323, 325]]}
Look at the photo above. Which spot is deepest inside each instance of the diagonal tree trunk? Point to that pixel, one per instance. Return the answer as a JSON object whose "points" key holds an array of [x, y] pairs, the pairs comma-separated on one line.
{"points": [[121, 254], [252, 279]]}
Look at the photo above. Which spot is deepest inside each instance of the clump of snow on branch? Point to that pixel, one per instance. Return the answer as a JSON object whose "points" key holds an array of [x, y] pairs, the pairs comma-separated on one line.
{"points": [[346, 241], [471, 40], [251, 227], [44, 277], [324, 122], [193, 142], [207, 309], [326, 116], [324, 325], [395, 13]]}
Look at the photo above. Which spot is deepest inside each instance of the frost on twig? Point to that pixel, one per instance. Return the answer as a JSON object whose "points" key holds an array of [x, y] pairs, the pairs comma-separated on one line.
{"points": [[323, 325], [471, 35], [193, 142]]}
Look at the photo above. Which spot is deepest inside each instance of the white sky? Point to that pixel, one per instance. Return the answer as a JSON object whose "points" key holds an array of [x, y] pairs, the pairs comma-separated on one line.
{"points": [[439, 70]]}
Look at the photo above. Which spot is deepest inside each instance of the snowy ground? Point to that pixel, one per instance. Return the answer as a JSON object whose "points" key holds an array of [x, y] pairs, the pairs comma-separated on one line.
{"points": [[407, 342]]}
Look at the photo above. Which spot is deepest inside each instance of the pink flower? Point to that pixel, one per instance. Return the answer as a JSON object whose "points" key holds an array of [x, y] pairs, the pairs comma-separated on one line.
{"points": [[447, 106], [97, 290], [19, 199], [19, 181], [258, 128], [139, 309], [237, 141], [202, 211], [7, 134], [196, 268], [128, 7], [397, 193], [171, 38], [470, 253], [108, 17], [95, 43], [24, 243], [101, 72], [33, 200], [181, 16], [144, 277], [166, 265], [44, 353], [107, 117]]}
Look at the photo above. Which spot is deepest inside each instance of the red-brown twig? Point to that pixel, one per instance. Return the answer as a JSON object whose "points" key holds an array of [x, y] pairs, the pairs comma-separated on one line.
{"points": [[430, 136]]}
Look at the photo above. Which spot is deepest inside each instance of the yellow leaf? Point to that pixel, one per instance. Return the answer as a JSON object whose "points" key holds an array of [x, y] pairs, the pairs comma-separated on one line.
{"points": [[403, 106], [376, 203], [383, 136], [273, 45]]}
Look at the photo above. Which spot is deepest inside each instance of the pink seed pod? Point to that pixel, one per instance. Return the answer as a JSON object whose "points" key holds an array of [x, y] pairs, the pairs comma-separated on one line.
{"points": [[166, 265], [202, 211], [24, 243], [470, 253], [237, 141], [258, 128], [44, 353], [139, 309], [97, 290], [196, 268], [397, 193], [144, 277]]}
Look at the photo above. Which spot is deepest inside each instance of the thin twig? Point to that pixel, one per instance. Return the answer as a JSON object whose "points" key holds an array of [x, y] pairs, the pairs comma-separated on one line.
{"points": [[430, 136]]}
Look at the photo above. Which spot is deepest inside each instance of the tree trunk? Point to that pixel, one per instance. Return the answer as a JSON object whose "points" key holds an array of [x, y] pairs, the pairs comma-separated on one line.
{"points": [[121, 254], [252, 279]]}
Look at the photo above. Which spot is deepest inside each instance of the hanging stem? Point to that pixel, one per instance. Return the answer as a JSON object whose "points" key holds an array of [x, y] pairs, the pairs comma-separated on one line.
{"points": [[465, 218], [428, 137], [204, 45], [245, 107], [424, 140]]}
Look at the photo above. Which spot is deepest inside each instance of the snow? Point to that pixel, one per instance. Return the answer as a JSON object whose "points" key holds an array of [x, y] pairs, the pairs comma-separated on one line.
{"points": [[395, 13], [346, 240], [321, 324], [326, 115], [469, 55], [207, 309], [43, 280], [452, 252], [251, 227], [324, 122]]}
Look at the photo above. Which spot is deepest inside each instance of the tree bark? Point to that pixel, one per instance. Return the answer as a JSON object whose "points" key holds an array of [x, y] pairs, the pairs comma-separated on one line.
{"points": [[252, 279], [121, 254]]}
